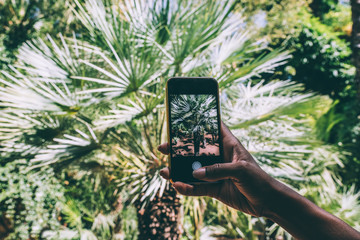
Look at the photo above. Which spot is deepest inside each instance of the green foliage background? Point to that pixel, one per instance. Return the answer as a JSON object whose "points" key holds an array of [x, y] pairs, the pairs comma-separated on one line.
{"points": [[83, 195]]}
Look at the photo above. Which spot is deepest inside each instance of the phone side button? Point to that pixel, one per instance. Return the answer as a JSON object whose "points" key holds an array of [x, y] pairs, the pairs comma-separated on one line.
{"points": [[196, 165]]}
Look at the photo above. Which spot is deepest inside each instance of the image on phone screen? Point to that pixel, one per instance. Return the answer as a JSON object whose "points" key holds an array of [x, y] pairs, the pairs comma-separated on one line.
{"points": [[194, 125]]}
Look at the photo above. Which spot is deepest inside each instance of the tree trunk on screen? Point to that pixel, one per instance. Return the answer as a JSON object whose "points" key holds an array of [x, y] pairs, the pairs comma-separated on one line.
{"points": [[355, 8], [196, 143], [159, 219]]}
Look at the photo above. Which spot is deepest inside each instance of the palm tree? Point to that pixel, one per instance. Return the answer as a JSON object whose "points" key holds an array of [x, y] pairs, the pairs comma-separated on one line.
{"points": [[93, 105], [196, 113]]}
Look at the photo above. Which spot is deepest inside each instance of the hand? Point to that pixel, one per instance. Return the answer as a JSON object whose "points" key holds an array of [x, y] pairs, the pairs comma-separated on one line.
{"points": [[244, 186]]}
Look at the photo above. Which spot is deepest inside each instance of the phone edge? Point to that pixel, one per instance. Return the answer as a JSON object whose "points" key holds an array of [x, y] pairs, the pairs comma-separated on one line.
{"points": [[168, 125], [168, 122]]}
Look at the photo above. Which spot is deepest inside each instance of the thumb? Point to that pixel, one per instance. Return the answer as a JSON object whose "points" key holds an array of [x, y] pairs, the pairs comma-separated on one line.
{"points": [[218, 171]]}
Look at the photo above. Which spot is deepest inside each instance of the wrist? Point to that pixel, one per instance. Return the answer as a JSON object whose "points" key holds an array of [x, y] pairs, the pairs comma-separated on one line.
{"points": [[277, 199], [302, 218]]}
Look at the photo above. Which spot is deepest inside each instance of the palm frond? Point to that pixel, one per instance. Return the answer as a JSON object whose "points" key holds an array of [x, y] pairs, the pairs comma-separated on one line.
{"points": [[72, 214], [233, 46], [67, 149], [121, 115], [266, 118], [87, 235], [142, 14], [49, 60], [97, 18], [104, 224], [124, 74], [126, 65], [62, 234], [25, 93], [253, 68], [249, 105], [16, 124], [23, 134], [142, 185]]}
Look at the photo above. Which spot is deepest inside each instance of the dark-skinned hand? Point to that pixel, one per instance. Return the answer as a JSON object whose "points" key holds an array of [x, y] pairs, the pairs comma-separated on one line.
{"points": [[244, 186]]}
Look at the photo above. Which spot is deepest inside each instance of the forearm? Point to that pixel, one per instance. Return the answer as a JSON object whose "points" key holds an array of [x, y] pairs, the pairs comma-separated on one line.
{"points": [[303, 219]]}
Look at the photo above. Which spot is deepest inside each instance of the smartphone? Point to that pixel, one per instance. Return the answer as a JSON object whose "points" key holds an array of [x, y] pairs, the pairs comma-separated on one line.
{"points": [[193, 120]]}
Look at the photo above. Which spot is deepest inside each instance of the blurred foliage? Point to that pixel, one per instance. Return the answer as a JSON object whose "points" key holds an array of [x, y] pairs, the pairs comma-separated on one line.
{"points": [[22, 20], [91, 203], [29, 202], [321, 7], [339, 20], [272, 19], [321, 60]]}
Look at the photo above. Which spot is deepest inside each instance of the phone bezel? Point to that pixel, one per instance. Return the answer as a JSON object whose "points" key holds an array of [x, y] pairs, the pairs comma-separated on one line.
{"points": [[192, 85]]}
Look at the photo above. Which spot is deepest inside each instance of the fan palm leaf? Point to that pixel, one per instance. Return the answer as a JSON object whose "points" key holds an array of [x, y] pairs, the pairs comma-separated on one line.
{"points": [[67, 149]]}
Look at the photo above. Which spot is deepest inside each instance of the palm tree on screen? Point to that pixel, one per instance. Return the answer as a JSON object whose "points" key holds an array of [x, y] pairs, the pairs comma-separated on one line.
{"points": [[198, 115]]}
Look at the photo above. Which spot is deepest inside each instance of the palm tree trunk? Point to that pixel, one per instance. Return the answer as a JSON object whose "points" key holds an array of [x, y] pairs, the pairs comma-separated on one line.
{"points": [[196, 143], [159, 219], [5, 226], [196, 146], [355, 8]]}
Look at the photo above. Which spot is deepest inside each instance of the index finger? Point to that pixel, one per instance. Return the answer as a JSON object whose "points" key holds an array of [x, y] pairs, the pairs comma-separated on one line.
{"points": [[165, 173], [164, 148]]}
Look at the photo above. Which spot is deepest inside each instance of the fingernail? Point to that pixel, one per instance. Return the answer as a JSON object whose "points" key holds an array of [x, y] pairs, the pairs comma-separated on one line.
{"points": [[199, 173]]}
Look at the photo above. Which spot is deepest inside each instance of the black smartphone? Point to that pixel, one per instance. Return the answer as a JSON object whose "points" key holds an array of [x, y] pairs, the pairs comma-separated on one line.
{"points": [[193, 120]]}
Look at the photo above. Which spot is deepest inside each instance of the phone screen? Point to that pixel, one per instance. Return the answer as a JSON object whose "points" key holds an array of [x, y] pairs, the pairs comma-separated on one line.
{"points": [[194, 126]]}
